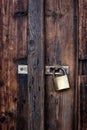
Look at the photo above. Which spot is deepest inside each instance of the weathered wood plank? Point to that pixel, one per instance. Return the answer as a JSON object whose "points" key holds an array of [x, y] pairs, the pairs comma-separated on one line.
{"points": [[14, 39], [82, 80], [75, 117], [1, 47], [82, 105], [35, 65], [9, 89], [82, 29], [22, 102], [60, 49], [20, 18]]}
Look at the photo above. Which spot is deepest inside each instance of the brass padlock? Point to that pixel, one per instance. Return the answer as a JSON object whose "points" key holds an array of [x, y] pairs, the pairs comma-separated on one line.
{"points": [[61, 82]]}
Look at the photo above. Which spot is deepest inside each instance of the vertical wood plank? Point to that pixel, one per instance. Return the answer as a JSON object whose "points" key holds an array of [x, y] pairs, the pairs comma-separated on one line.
{"points": [[14, 48], [76, 64], [35, 65], [60, 50], [1, 47], [82, 120], [82, 80], [22, 103], [82, 29]]}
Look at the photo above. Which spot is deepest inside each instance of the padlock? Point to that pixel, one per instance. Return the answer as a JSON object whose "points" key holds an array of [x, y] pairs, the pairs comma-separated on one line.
{"points": [[61, 82]]}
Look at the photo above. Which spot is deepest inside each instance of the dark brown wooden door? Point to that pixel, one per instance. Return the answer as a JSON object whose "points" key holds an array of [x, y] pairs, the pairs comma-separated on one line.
{"points": [[41, 33], [60, 50], [57, 36]]}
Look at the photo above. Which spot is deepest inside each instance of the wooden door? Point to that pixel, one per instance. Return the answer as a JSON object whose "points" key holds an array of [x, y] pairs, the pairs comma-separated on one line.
{"points": [[41, 33], [61, 49], [50, 110]]}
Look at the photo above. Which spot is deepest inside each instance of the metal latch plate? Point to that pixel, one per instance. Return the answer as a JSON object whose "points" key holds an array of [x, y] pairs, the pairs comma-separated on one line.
{"points": [[49, 70], [22, 69]]}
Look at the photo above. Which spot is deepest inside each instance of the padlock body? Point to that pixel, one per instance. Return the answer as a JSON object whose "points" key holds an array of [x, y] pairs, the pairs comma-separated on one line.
{"points": [[61, 82]]}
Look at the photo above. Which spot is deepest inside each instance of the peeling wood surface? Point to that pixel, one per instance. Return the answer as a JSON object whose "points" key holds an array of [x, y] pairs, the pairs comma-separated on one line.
{"points": [[13, 38]]}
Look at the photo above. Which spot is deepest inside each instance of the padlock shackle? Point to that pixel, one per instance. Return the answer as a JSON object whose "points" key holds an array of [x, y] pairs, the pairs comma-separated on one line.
{"points": [[59, 68]]}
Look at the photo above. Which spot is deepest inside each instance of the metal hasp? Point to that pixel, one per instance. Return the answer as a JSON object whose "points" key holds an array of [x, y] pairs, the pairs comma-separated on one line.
{"points": [[49, 70], [22, 69]]}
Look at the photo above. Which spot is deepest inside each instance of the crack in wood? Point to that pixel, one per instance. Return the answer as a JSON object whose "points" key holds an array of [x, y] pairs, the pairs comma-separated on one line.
{"points": [[20, 14]]}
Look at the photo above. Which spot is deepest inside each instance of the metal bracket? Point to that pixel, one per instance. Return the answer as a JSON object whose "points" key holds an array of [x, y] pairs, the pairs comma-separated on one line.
{"points": [[22, 69], [49, 70]]}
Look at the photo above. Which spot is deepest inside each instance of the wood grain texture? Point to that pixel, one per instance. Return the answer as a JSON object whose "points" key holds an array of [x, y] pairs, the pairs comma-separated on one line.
{"points": [[35, 65], [60, 49], [22, 102], [13, 47], [82, 106], [82, 29], [82, 79], [1, 47]]}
